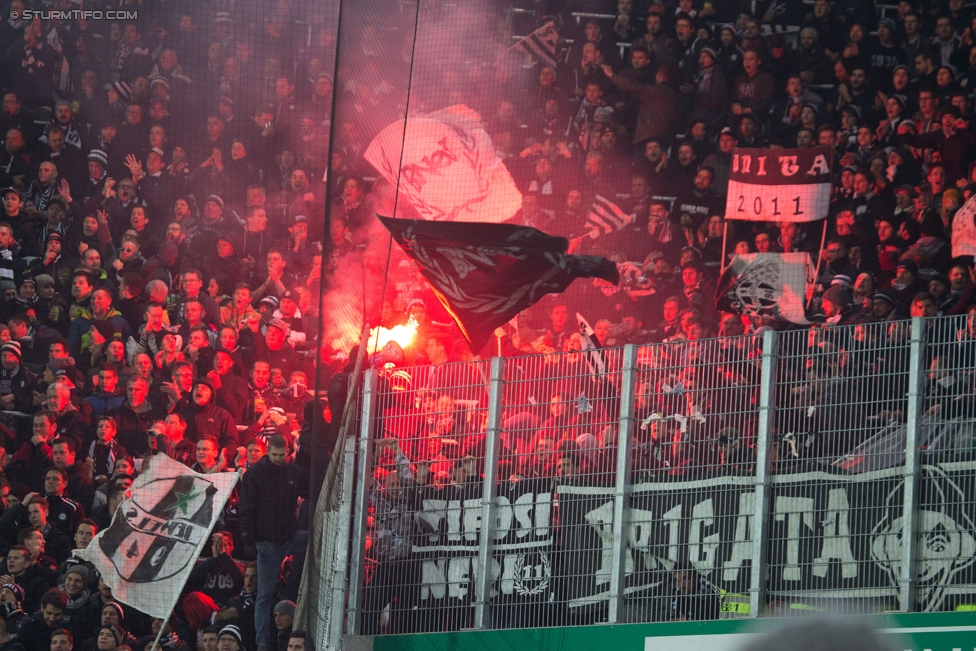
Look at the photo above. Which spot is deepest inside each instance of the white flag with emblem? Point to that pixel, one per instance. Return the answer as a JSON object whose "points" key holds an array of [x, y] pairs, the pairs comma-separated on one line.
{"points": [[158, 533], [446, 168]]}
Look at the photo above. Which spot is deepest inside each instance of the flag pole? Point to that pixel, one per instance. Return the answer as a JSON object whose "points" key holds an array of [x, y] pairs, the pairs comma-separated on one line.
{"points": [[816, 273], [725, 236]]}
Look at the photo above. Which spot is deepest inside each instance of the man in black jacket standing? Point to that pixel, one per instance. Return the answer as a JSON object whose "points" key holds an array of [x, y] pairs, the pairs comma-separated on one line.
{"points": [[269, 499]]}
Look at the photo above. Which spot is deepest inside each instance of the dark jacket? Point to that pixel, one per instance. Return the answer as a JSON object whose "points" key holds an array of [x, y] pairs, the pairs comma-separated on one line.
{"points": [[269, 497], [133, 427], [211, 422], [219, 578], [660, 111]]}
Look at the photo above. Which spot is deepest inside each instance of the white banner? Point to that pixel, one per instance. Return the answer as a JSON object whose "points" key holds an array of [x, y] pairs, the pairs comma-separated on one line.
{"points": [[964, 229], [156, 535], [774, 284], [450, 170], [779, 185]]}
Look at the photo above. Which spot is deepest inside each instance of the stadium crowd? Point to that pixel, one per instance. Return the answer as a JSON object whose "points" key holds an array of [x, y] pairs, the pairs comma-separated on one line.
{"points": [[161, 252], [159, 270], [645, 107]]}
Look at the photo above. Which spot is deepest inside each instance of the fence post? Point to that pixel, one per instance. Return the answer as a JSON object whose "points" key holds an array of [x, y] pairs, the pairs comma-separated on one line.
{"points": [[482, 589], [618, 558], [760, 519], [357, 555], [908, 581]]}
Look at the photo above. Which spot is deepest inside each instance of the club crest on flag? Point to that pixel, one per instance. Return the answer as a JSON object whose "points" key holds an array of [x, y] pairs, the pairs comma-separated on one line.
{"points": [[151, 541]]}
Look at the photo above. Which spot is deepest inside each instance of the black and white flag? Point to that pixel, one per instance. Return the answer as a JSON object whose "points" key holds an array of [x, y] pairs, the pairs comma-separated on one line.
{"points": [[156, 536], [593, 352], [779, 185], [605, 217], [543, 44], [773, 284]]}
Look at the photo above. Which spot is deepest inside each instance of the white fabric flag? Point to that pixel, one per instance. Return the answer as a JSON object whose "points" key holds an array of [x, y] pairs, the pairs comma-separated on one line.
{"points": [[450, 169], [773, 284], [964, 229], [156, 535]]}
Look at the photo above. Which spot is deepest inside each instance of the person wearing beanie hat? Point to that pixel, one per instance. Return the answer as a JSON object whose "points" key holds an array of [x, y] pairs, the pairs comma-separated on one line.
{"points": [[906, 285], [109, 638], [80, 613], [836, 303], [231, 636], [205, 419], [16, 380], [284, 618]]}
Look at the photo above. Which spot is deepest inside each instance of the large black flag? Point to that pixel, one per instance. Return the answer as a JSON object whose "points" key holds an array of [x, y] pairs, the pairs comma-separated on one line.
{"points": [[485, 274]]}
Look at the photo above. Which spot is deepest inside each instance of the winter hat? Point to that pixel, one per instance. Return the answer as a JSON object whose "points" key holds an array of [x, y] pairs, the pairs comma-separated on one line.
{"points": [[838, 296], [204, 380], [43, 280], [123, 89], [118, 609], [157, 289], [116, 633], [6, 284], [217, 200], [286, 607], [710, 52], [271, 301], [26, 280], [908, 264], [81, 571], [882, 296], [889, 23], [18, 591], [159, 80], [53, 235], [234, 632], [12, 347], [222, 17], [98, 156]]}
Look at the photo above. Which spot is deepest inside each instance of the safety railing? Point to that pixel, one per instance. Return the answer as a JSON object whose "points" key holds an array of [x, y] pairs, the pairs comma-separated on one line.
{"points": [[828, 469]]}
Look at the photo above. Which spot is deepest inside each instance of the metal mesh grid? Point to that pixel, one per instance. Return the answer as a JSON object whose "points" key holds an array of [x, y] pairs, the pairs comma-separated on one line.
{"points": [[842, 407], [947, 471], [859, 419], [425, 498]]}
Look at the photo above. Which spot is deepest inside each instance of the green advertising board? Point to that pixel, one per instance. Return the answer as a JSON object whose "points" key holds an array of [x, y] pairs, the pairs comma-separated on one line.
{"points": [[909, 632]]}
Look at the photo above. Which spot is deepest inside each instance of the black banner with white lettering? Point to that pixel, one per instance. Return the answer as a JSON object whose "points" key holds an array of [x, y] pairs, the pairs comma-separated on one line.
{"points": [[833, 539], [449, 535]]}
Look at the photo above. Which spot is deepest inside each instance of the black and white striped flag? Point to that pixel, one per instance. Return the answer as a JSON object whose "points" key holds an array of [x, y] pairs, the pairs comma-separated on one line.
{"points": [[605, 217], [542, 44]]}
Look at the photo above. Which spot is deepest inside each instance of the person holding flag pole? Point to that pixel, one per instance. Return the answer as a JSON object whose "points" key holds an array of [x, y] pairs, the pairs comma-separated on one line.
{"points": [[146, 555]]}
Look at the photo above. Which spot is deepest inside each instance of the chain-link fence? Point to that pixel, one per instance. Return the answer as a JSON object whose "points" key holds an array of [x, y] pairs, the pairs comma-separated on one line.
{"points": [[732, 477]]}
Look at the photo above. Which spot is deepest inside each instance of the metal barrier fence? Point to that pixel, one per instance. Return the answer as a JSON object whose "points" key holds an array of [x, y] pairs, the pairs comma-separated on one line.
{"points": [[828, 469]]}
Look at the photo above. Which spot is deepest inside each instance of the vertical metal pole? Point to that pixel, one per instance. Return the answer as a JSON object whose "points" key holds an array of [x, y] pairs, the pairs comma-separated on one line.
{"points": [[618, 557], [760, 519], [340, 577], [357, 554], [908, 581], [482, 594]]}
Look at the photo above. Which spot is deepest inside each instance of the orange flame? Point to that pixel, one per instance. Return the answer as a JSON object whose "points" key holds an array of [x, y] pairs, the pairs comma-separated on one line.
{"points": [[401, 334]]}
